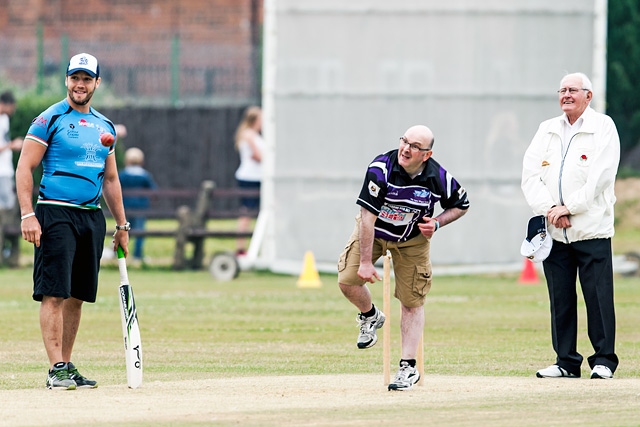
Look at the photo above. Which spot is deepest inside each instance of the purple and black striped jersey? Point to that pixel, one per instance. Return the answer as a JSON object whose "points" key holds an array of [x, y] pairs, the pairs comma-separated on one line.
{"points": [[400, 202]]}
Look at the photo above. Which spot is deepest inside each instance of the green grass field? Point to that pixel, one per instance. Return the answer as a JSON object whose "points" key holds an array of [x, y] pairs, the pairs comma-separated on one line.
{"points": [[262, 325]]}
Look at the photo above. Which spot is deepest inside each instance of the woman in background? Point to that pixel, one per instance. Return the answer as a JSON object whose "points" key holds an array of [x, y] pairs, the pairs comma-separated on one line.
{"points": [[250, 145]]}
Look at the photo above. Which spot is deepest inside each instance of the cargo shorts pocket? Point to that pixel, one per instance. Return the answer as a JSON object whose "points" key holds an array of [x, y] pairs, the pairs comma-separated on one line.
{"points": [[344, 256], [422, 281]]}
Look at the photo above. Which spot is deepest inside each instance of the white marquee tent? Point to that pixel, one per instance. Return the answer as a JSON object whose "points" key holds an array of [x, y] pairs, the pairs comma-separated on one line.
{"points": [[342, 80]]}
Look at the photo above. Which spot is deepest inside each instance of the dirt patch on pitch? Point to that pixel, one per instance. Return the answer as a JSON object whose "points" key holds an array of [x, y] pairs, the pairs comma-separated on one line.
{"points": [[331, 400]]}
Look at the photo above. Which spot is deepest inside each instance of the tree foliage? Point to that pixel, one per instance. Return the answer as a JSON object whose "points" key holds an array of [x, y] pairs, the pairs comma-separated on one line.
{"points": [[623, 70]]}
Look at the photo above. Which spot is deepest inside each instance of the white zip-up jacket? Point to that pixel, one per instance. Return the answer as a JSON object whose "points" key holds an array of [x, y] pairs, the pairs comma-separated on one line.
{"points": [[582, 180]]}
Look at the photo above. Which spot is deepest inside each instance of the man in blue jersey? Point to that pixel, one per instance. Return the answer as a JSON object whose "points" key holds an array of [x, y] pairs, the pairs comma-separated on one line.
{"points": [[67, 226], [397, 204]]}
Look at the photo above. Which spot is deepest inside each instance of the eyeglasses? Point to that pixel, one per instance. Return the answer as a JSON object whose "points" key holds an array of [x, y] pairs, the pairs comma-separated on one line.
{"points": [[572, 90], [412, 145]]}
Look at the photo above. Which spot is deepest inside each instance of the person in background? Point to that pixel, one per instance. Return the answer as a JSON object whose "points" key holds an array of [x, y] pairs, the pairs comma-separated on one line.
{"points": [[9, 255], [397, 206], [75, 144], [250, 146], [135, 177], [121, 131], [568, 175]]}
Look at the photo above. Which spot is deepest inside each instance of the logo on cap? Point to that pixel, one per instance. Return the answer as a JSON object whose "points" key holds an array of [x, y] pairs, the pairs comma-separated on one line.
{"points": [[84, 62], [537, 244]]}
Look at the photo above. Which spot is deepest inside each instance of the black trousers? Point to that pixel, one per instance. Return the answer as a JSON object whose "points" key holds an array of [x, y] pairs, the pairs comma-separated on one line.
{"points": [[591, 262]]}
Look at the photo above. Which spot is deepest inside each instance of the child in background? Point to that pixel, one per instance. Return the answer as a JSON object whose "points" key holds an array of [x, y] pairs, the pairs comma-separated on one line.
{"points": [[134, 176]]}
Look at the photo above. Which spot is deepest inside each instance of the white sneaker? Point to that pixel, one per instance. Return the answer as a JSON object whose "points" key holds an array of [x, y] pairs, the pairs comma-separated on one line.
{"points": [[368, 326], [406, 377], [601, 371], [555, 371]]}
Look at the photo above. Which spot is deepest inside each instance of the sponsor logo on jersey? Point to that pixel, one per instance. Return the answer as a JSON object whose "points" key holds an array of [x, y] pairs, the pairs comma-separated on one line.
{"points": [[71, 132], [90, 158], [420, 195], [40, 122], [84, 123], [397, 215], [373, 189]]}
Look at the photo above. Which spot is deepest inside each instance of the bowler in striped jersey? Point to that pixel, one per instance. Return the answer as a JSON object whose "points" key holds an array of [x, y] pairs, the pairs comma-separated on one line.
{"points": [[397, 205]]}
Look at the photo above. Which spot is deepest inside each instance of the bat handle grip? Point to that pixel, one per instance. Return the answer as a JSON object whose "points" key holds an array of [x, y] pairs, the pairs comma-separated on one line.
{"points": [[120, 252]]}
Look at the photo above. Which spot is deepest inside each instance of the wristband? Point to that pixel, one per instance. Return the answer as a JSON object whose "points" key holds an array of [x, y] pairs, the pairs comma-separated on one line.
{"points": [[23, 217], [437, 225]]}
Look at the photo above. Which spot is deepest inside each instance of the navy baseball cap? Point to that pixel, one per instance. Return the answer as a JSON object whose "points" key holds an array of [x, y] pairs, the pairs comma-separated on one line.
{"points": [[84, 62], [537, 244]]}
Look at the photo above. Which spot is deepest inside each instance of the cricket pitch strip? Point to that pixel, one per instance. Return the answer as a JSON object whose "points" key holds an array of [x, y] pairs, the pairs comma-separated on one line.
{"points": [[332, 400]]}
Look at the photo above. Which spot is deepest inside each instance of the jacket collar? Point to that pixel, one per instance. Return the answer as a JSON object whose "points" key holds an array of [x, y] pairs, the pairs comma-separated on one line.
{"points": [[588, 122]]}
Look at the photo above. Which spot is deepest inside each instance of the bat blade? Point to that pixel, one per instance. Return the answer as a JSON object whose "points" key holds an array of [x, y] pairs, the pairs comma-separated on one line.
{"points": [[130, 326]]}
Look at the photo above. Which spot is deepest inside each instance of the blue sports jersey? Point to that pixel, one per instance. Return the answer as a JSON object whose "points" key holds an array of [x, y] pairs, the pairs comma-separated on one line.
{"points": [[73, 165], [400, 202]]}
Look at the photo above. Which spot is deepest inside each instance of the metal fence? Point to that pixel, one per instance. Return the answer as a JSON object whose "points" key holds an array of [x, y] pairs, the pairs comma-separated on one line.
{"points": [[161, 52], [228, 77]]}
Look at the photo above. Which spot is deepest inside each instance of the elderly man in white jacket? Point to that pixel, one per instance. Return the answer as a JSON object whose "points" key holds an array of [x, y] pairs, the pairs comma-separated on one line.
{"points": [[568, 176]]}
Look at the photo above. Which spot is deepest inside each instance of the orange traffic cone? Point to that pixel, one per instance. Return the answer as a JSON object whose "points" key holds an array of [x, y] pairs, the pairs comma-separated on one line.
{"points": [[529, 276]]}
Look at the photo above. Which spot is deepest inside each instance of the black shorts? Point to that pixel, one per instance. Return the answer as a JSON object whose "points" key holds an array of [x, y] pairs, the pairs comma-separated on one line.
{"points": [[67, 262], [249, 202]]}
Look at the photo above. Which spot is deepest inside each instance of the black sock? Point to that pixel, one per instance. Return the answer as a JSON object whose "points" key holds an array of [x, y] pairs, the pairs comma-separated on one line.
{"points": [[411, 362], [370, 312]]}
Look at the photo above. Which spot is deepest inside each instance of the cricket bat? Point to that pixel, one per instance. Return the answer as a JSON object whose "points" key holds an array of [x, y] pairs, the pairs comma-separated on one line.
{"points": [[130, 327]]}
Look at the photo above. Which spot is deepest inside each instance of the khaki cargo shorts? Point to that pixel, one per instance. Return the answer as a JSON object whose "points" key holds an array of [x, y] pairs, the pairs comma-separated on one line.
{"points": [[411, 265]]}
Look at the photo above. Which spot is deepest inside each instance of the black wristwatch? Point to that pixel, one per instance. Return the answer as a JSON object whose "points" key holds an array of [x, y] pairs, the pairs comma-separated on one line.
{"points": [[125, 227]]}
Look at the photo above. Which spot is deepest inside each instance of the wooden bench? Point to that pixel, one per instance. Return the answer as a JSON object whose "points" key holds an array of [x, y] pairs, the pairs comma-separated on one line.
{"points": [[191, 221]]}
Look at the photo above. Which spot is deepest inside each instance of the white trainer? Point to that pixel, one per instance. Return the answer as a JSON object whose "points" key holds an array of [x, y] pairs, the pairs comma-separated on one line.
{"points": [[555, 371], [406, 377], [601, 371], [368, 328]]}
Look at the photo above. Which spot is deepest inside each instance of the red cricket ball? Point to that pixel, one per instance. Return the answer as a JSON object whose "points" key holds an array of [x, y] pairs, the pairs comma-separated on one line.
{"points": [[107, 139]]}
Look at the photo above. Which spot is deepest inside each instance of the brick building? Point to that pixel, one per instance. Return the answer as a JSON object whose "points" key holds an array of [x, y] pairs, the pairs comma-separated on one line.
{"points": [[150, 51]]}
